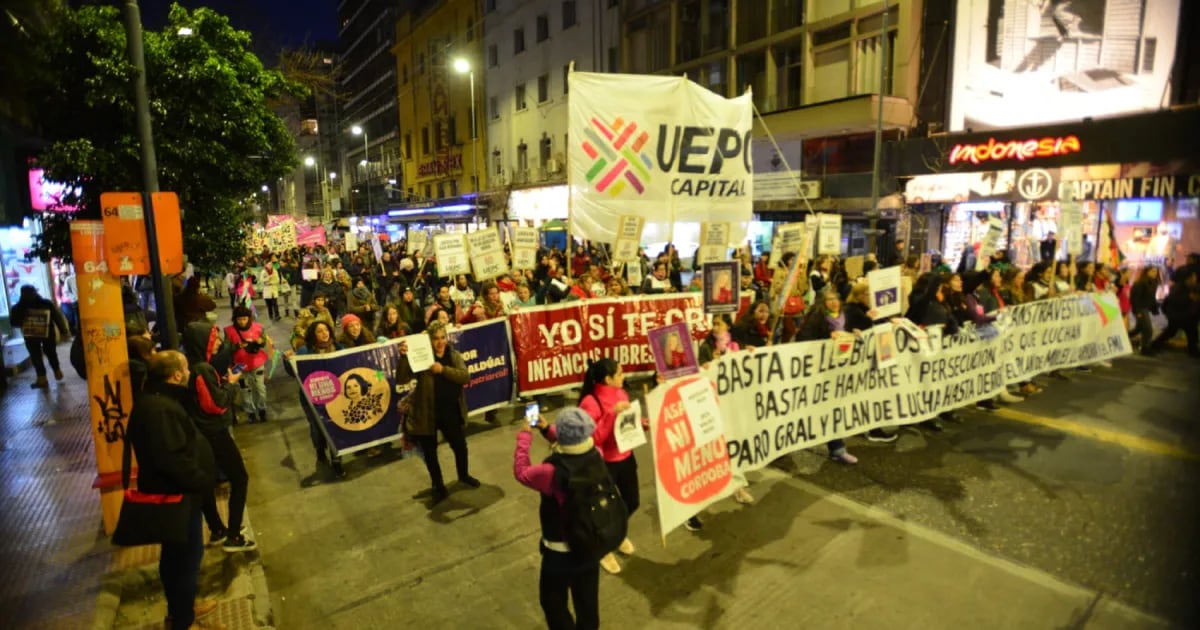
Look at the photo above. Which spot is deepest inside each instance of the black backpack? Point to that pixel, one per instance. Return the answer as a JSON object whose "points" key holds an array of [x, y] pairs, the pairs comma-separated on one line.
{"points": [[596, 518]]}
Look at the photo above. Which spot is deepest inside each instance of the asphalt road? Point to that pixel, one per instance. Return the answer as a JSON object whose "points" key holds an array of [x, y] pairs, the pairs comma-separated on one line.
{"points": [[1075, 508]]}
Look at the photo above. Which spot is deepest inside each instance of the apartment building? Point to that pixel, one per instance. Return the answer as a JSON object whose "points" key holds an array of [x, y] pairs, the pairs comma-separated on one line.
{"points": [[815, 70], [437, 58], [367, 81], [528, 50]]}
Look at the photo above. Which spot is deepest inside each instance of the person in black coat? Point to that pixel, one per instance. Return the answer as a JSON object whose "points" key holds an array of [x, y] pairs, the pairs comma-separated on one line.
{"points": [[1180, 308], [1143, 300], [173, 458], [42, 325], [751, 330], [212, 406]]}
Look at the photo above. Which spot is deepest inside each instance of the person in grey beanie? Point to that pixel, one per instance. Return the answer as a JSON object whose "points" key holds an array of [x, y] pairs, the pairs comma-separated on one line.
{"points": [[565, 572]]}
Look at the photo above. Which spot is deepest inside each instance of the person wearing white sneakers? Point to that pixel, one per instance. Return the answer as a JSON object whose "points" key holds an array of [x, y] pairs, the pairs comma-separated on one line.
{"points": [[603, 397]]}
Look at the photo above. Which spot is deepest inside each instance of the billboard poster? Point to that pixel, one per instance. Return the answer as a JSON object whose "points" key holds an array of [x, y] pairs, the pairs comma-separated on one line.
{"points": [[1020, 63], [354, 394], [486, 350]]}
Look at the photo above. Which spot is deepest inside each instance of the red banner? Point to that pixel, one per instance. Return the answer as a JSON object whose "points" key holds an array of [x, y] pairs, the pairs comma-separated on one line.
{"points": [[554, 343]]}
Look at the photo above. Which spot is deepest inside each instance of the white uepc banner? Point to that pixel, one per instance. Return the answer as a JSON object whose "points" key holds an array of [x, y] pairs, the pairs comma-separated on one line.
{"points": [[657, 147]]}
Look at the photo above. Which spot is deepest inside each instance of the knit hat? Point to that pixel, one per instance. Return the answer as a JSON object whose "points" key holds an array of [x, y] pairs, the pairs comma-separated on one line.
{"points": [[347, 319], [241, 311], [574, 428]]}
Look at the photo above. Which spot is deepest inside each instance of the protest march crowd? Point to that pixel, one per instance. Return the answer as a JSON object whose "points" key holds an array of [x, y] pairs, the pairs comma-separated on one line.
{"points": [[385, 297]]}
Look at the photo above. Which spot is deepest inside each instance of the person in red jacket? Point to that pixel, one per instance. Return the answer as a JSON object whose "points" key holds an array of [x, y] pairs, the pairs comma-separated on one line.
{"points": [[252, 348], [603, 398]]}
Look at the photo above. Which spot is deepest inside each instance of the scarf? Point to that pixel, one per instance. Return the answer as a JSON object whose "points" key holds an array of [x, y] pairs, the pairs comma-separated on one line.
{"points": [[837, 323], [361, 293]]}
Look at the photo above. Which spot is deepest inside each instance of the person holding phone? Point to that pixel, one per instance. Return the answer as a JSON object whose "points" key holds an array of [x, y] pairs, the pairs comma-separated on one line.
{"points": [[603, 398], [438, 404]]}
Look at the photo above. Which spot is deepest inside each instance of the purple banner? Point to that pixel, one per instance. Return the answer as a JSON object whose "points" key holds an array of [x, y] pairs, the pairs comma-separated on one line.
{"points": [[488, 355], [353, 394]]}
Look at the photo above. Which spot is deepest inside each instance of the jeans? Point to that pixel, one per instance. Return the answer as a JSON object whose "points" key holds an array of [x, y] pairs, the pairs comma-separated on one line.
{"points": [[452, 430], [565, 574], [272, 308], [254, 390], [229, 462], [70, 310], [179, 571], [625, 477], [39, 347]]}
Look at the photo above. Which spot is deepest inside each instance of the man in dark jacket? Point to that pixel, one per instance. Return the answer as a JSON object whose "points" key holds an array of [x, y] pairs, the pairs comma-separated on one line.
{"points": [[211, 406], [173, 458], [42, 325]]}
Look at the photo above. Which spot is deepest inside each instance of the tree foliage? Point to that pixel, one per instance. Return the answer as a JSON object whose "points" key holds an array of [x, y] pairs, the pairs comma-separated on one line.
{"points": [[216, 137]]}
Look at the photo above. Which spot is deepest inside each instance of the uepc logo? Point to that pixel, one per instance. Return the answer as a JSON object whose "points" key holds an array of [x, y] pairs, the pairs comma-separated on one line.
{"points": [[698, 155]]}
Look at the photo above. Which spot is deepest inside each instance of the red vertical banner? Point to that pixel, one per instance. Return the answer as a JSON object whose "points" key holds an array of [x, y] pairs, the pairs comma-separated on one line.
{"points": [[110, 396]]}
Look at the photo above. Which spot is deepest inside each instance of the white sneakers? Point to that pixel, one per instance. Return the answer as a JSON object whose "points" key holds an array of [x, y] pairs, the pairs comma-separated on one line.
{"points": [[743, 496], [626, 547], [1008, 398], [610, 564]]}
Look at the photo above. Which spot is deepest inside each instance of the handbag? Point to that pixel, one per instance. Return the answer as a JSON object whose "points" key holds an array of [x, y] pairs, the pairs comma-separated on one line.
{"points": [[150, 519], [794, 305]]}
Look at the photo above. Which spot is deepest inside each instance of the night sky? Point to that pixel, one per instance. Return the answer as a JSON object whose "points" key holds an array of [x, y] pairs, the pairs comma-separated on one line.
{"points": [[274, 24]]}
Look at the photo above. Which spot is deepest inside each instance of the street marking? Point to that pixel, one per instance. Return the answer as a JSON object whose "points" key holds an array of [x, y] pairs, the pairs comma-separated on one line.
{"points": [[1169, 387], [1132, 442]]}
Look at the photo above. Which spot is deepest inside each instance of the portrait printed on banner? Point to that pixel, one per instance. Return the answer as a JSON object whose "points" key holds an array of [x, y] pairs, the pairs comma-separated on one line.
{"points": [[364, 399], [673, 353], [721, 287]]}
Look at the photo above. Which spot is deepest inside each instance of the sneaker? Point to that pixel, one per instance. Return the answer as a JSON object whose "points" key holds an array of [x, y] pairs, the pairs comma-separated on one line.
{"points": [[610, 564], [626, 547], [239, 543], [58, 376], [262, 415], [693, 524], [933, 426], [438, 495], [40, 383], [950, 416], [743, 496], [844, 458], [338, 471], [987, 405], [1008, 398], [879, 435], [218, 536], [1029, 389], [470, 481]]}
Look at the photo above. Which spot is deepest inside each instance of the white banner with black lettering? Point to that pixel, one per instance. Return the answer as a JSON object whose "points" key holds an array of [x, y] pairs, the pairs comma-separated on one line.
{"points": [[657, 147]]}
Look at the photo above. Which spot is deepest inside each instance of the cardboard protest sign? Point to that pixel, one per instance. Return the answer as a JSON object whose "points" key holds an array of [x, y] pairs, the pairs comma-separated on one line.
{"points": [[416, 241], [628, 430], [884, 290], [714, 242], [991, 240], [524, 247], [419, 351], [811, 226], [451, 252], [854, 267], [692, 466], [829, 235], [721, 285], [633, 274], [885, 345], [791, 237], [351, 241], [673, 352], [629, 238], [487, 254]]}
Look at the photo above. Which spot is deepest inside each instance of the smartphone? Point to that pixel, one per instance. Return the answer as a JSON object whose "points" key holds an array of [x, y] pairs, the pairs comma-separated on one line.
{"points": [[238, 368], [533, 412]]}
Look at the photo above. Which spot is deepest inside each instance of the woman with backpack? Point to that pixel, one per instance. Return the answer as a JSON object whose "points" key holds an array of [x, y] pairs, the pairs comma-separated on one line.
{"points": [[568, 568], [603, 398]]}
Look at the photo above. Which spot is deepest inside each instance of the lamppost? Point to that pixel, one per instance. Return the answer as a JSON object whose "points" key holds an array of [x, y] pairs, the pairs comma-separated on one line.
{"points": [[327, 211], [462, 66], [366, 162], [310, 161]]}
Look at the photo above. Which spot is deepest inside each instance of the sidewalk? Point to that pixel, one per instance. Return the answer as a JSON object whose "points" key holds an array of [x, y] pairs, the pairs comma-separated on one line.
{"points": [[57, 569]]}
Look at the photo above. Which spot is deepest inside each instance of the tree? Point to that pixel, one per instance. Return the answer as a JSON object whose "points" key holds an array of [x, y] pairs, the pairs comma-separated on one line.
{"points": [[216, 136]]}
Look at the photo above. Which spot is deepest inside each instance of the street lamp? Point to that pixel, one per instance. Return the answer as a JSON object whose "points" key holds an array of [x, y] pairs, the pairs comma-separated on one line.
{"points": [[309, 160], [359, 131], [462, 66], [184, 31]]}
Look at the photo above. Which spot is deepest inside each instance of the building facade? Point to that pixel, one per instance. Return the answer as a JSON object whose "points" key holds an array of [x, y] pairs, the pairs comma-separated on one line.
{"points": [[436, 57], [528, 49], [817, 75], [367, 80]]}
